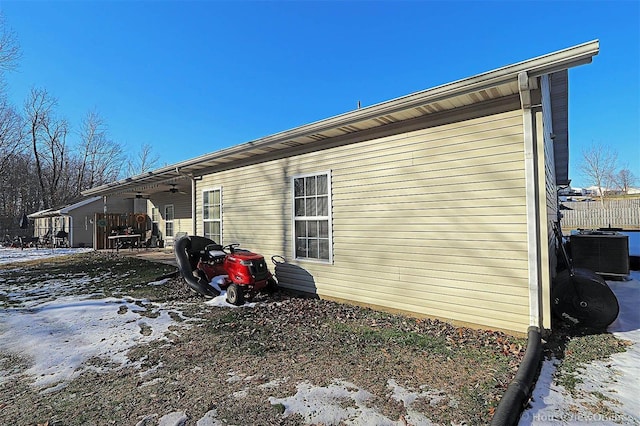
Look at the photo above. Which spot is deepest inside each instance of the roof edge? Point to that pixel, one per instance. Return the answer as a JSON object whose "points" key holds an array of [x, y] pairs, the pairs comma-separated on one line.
{"points": [[546, 64], [552, 62]]}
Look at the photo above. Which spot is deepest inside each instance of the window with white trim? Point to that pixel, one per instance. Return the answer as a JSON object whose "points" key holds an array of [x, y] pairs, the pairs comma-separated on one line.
{"points": [[155, 221], [212, 214], [312, 216], [168, 220], [155, 215]]}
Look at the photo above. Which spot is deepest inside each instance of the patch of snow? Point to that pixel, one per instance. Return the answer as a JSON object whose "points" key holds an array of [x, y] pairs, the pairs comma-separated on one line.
{"points": [[343, 402], [241, 394], [178, 418], [59, 345], [11, 255], [273, 383], [153, 382], [159, 282], [234, 377], [325, 405], [408, 397], [146, 419], [209, 419], [221, 301]]}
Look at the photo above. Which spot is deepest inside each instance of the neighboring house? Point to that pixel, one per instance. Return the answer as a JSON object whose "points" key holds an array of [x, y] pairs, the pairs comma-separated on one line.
{"points": [[439, 203], [76, 220]]}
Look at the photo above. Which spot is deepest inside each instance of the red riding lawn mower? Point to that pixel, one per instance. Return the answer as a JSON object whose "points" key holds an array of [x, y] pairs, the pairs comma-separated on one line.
{"points": [[209, 268]]}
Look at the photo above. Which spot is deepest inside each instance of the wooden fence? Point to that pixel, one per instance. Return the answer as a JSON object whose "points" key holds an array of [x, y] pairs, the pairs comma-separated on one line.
{"points": [[595, 214], [109, 223]]}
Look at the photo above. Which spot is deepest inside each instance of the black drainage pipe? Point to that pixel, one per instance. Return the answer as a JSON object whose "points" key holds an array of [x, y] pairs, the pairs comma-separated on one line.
{"points": [[517, 394]]}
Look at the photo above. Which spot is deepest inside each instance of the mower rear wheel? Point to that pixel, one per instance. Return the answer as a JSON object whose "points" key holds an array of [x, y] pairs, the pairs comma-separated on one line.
{"points": [[235, 295]]}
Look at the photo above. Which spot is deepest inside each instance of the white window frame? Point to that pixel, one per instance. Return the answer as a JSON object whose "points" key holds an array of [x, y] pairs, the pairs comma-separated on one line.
{"points": [[329, 217], [155, 215], [167, 222], [204, 221]]}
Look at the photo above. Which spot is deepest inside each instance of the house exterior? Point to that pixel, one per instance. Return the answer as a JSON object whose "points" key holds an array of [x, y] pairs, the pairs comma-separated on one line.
{"points": [[438, 204], [76, 220]]}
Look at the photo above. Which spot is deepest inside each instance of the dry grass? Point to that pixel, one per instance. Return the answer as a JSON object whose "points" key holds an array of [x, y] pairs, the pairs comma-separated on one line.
{"points": [[281, 342]]}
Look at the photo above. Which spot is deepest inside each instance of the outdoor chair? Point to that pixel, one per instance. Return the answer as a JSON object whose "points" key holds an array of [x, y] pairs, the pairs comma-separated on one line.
{"points": [[60, 240]]}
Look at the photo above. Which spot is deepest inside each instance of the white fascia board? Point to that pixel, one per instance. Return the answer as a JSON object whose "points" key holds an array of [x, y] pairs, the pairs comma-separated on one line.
{"points": [[39, 214], [67, 209]]}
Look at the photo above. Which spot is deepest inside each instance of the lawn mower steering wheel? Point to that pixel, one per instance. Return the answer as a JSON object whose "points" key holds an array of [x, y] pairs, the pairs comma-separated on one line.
{"points": [[230, 247]]}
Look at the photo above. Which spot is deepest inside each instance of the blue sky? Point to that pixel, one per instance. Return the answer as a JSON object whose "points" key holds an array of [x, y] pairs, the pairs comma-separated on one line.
{"points": [[190, 78]]}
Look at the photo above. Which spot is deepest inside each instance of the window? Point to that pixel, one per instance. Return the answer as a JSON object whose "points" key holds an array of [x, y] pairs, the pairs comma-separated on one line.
{"points": [[312, 217], [212, 215], [168, 220], [155, 215], [155, 219]]}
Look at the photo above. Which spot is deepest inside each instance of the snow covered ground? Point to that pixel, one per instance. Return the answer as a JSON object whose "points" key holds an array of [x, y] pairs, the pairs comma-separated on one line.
{"points": [[47, 333], [9, 255]]}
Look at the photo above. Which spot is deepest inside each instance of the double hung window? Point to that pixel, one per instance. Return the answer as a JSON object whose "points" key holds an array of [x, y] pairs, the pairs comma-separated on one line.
{"points": [[212, 214], [168, 220], [312, 217]]}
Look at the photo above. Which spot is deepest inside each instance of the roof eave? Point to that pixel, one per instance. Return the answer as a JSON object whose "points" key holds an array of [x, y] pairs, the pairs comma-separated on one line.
{"points": [[546, 64]]}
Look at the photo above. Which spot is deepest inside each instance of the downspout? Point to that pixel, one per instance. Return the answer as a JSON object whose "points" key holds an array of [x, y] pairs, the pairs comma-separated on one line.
{"points": [[70, 235], [104, 243], [526, 85], [517, 394]]}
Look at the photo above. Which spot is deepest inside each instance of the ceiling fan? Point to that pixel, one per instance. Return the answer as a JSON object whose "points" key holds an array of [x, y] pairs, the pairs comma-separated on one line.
{"points": [[175, 190], [138, 195]]}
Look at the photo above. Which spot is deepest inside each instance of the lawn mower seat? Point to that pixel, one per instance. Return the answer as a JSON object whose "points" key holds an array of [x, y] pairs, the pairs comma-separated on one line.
{"points": [[196, 247], [214, 251]]}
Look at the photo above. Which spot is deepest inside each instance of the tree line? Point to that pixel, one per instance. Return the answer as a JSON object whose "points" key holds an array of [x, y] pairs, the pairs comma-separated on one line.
{"points": [[45, 161], [601, 169]]}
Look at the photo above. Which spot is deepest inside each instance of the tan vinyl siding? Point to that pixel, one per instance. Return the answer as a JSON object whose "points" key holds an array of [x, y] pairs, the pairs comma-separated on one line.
{"points": [[431, 222], [182, 221]]}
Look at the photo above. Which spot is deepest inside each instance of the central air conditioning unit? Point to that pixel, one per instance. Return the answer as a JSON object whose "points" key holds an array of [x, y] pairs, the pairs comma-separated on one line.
{"points": [[604, 252]]}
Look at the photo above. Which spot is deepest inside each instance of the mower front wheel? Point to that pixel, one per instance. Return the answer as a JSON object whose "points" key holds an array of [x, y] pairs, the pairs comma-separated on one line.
{"points": [[235, 295]]}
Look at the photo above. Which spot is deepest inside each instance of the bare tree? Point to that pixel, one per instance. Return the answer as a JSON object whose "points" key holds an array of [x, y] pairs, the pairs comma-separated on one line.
{"points": [[624, 180], [99, 159], [143, 161], [10, 51], [10, 121], [599, 163], [13, 159], [11, 136], [47, 136]]}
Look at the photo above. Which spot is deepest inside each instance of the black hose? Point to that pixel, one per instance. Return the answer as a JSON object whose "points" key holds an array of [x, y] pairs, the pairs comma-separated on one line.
{"points": [[517, 394], [187, 252]]}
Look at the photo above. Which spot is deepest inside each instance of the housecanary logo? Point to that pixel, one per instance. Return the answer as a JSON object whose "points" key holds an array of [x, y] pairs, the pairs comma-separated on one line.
{"points": [[553, 418]]}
